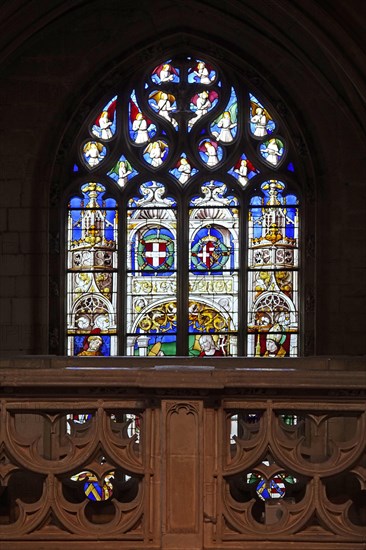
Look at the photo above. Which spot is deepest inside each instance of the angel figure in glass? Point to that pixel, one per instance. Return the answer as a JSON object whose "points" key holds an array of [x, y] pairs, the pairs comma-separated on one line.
{"points": [[104, 126], [243, 170], [272, 151], [94, 153], [202, 73], [201, 103], [155, 153], [261, 122], [210, 152], [164, 103], [226, 126], [165, 73]]}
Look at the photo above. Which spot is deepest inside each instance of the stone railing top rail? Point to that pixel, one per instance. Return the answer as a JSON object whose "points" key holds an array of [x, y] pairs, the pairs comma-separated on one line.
{"points": [[152, 372]]}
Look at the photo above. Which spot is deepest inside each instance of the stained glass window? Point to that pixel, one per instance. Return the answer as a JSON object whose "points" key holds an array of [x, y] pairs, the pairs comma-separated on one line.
{"points": [[183, 220]]}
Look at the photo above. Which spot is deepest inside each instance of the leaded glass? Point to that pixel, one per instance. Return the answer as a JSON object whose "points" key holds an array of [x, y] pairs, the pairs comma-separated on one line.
{"points": [[213, 278], [243, 170], [195, 172], [156, 153], [141, 128], [273, 231], [201, 72], [211, 152], [164, 104], [94, 489], [151, 272], [92, 272]]}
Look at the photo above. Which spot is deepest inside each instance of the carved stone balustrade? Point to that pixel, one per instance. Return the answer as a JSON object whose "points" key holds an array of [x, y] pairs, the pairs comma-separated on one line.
{"points": [[175, 453]]}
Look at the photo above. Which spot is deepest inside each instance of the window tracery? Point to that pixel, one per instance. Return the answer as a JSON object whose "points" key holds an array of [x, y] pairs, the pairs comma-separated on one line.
{"points": [[183, 235]]}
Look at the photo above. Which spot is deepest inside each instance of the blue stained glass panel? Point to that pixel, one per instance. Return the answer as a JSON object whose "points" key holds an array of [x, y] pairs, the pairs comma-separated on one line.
{"points": [[209, 251], [274, 488], [154, 250], [101, 215]]}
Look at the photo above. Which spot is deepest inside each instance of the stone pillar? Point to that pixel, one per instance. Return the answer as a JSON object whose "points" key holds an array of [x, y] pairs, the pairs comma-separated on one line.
{"points": [[182, 489]]}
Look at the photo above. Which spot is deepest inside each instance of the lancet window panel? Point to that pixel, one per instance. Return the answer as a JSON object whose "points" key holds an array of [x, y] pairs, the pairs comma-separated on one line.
{"points": [[273, 264], [92, 250], [151, 307], [183, 230]]}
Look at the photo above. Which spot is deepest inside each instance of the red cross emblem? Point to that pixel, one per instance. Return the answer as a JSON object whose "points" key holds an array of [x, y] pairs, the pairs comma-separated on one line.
{"points": [[155, 253], [205, 256]]}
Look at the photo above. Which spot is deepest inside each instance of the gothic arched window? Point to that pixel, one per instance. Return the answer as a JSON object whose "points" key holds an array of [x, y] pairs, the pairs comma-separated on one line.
{"points": [[183, 220]]}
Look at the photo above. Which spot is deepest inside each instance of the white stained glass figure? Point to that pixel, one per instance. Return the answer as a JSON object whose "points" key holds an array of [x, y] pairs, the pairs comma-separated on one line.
{"points": [[105, 123], [202, 102], [124, 170], [261, 122], [164, 105], [204, 73], [272, 151], [165, 73], [185, 170], [243, 170], [226, 126], [94, 153], [210, 152], [155, 152], [105, 126], [139, 126]]}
